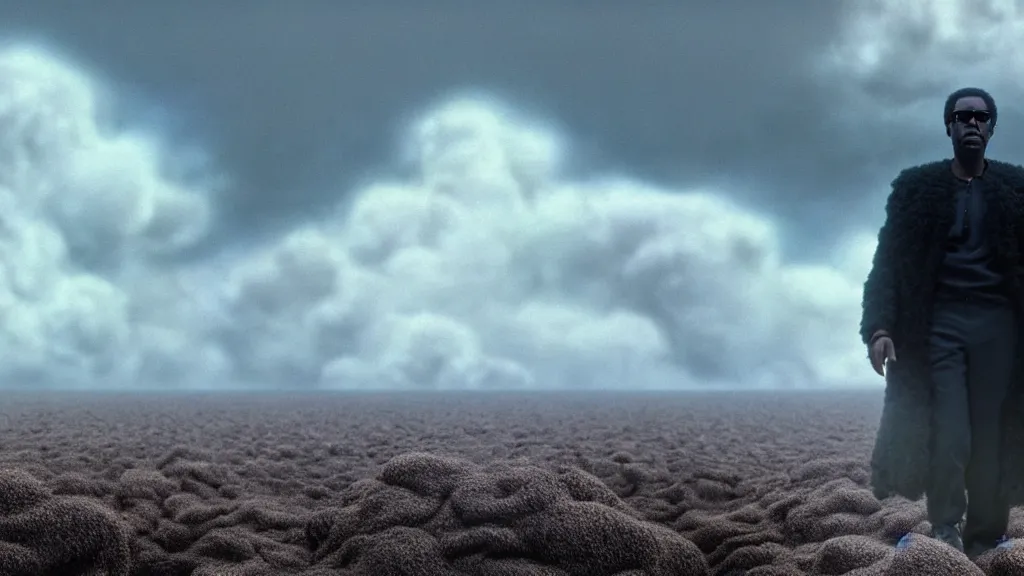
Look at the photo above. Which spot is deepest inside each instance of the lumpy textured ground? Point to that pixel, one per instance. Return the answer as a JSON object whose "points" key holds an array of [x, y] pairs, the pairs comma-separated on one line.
{"points": [[457, 484]]}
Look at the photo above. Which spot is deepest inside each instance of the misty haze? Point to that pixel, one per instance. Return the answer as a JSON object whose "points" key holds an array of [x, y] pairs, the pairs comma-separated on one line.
{"points": [[531, 288]]}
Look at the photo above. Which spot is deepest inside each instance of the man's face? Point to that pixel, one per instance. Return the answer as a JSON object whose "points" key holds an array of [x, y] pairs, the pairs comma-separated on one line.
{"points": [[970, 128]]}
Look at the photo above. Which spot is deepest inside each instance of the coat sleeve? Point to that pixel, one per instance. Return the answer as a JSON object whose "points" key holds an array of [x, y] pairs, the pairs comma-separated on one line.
{"points": [[880, 289], [1015, 181]]}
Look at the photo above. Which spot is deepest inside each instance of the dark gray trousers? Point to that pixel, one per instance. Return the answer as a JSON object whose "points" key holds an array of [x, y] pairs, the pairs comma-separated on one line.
{"points": [[973, 346]]}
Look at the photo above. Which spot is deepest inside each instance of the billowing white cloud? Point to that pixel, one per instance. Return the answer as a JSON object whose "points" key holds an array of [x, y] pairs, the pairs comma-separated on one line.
{"points": [[83, 212], [919, 50], [488, 269], [925, 41]]}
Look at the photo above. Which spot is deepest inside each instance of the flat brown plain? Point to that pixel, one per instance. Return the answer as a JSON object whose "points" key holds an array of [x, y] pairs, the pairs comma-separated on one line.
{"points": [[589, 484]]}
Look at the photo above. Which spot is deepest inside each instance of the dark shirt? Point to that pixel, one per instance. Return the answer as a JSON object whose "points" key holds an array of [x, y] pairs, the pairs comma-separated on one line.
{"points": [[968, 271]]}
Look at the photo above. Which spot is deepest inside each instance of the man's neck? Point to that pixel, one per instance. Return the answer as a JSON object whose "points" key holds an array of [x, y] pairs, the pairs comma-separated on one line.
{"points": [[967, 168]]}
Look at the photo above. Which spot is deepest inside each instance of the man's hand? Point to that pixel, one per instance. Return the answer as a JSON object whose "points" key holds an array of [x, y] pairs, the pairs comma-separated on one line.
{"points": [[882, 351]]}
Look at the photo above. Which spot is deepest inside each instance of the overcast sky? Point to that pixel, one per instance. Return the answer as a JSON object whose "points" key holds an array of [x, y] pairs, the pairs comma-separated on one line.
{"points": [[796, 112]]}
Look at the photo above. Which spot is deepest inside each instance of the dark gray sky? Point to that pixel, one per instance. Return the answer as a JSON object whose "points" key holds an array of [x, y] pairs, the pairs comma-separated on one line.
{"points": [[299, 101]]}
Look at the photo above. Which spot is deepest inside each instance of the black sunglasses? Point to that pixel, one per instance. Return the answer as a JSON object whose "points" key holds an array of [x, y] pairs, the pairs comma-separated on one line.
{"points": [[965, 116]]}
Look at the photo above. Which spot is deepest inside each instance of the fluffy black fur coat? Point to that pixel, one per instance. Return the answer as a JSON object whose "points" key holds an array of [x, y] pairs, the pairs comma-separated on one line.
{"points": [[898, 296]]}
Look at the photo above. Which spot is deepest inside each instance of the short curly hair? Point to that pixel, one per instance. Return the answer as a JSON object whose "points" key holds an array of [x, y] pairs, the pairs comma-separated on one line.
{"points": [[990, 103]]}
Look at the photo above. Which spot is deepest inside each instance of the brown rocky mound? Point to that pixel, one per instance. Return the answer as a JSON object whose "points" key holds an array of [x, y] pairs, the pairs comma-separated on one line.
{"points": [[461, 485], [42, 534], [426, 515]]}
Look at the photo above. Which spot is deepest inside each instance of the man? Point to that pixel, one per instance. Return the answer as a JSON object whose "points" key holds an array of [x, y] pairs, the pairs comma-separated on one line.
{"points": [[940, 319]]}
